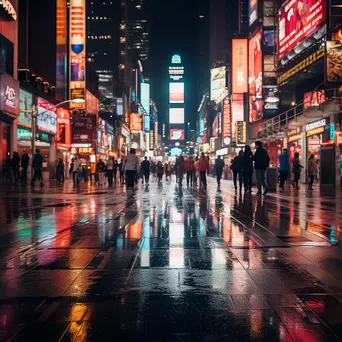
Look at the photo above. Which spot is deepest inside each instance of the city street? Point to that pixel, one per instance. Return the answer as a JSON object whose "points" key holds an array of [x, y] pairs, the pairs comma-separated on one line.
{"points": [[169, 264]]}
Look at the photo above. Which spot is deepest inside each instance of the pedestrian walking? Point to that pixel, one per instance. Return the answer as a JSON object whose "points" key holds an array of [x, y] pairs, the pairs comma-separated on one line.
{"points": [[110, 170], [160, 171], [180, 169], [115, 170], [60, 171], [219, 165], [71, 169], [238, 170], [297, 168], [261, 163], [203, 167], [76, 171], [312, 171], [145, 169], [25, 160], [37, 166], [247, 168], [101, 170], [189, 169], [284, 167], [121, 172], [131, 167], [15, 166]]}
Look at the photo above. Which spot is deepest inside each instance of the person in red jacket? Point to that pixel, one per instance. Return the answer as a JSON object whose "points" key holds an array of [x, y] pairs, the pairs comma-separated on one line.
{"points": [[203, 167], [189, 169]]}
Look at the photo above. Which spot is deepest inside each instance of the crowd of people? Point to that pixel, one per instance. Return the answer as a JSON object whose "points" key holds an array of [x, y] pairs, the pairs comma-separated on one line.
{"points": [[193, 170]]}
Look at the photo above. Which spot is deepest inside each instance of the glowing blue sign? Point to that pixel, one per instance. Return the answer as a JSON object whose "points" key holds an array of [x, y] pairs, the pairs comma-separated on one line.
{"points": [[145, 97], [147, 123], [176, 151], [176, 59]]}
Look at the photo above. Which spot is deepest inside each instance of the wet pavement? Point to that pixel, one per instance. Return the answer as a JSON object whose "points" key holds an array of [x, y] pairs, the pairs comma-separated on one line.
{"points": [[169, 264]]}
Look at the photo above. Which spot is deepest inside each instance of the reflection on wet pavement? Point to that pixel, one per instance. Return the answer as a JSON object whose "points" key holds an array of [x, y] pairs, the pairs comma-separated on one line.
{"points": [[169, 263]]}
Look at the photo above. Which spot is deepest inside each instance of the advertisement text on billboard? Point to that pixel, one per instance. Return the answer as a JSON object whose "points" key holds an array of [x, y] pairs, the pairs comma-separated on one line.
{"points": [[298, 20], [135, 122], [334, 61], [241, 132], [240, 66], [47, 118]]}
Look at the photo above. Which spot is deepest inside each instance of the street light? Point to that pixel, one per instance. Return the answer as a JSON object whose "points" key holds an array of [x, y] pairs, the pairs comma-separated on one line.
{"points": [[34, 116]]}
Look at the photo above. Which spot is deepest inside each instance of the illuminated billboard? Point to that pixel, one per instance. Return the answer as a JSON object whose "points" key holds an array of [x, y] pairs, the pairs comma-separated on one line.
{"points": [[253, 11], [135, 122], [240, 66], [217, 82], [177, 116], [147, 126], [255, 77], [77, 58], [47, 117], [334, 61], [227, 121], [25, 103], [145, 97], [176, 134], [176, 92], [298, 20]]}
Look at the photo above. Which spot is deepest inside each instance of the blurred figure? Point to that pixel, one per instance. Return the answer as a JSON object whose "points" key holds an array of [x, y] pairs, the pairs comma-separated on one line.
{"points": [[284, 167], [160, 171], [115, 169], [71, 169], [110, 168], [131, 167], [15, 166], [197, 171], [297, 168], [101, 169], [219, 165], [60, 171], [180, 169], [145, 169], [189, 169], [203, 168], [37, 166], [261, 163], [247, 168], [121, 172], [76, 171], [312, 171], [237, 170], [25, 160]]}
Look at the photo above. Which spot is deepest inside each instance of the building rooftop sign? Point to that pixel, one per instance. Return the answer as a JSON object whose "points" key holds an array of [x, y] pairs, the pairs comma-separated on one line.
{"points": [[9, 9], [176, 59]]}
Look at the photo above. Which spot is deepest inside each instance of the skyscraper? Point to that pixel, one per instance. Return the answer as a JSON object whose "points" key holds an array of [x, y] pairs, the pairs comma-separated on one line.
{"points": [[102, 57]]}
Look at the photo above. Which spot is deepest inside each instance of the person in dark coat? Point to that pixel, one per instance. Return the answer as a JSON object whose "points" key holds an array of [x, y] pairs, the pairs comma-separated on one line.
{"points": [[297, 169], [219, 165], [247, 168], [115, 169], [145, 169], [37, 166], [237, 170], [15, 166], [25, 160], [60, 171], [261, 163]]}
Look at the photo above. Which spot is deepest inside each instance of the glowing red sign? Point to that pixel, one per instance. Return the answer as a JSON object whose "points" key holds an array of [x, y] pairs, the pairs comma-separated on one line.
{"points": [[176, 134], [298, 20]]}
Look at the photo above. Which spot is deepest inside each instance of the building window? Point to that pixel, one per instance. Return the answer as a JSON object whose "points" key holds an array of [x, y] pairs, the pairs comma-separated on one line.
{"points": [[6, 56]]}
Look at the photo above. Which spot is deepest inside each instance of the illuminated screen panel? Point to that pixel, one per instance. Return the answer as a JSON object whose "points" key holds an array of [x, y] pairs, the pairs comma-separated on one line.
{"points": [[145, 97], [240, 66], [253, 11], [47, 117], [177, 92], [217, 82], [255, 77], [176, 134], [176, 116], [298, 20]]}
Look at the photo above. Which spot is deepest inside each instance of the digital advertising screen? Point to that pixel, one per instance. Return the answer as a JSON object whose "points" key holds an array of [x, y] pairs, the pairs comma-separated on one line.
{"points": [[25, 103], [253, 11], [255, 77], [147, 126], [177, 116], [47, 117], [334, 61], [135, 122], [217, 82], [176, 134], [176, 92], [240, 66], [145, 97], [298, 20]]}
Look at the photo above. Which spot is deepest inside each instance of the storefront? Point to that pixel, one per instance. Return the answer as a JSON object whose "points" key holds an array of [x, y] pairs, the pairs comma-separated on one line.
{"points": [[274, 148], [317, 134], [294, 145], [9, 110]]}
